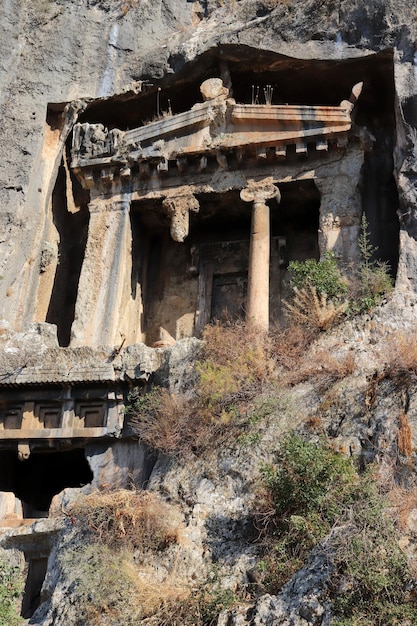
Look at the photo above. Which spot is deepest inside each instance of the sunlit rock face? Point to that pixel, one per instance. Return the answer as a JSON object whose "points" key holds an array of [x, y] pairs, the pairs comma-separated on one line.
{"points": [[133, 50], [140, 143]]}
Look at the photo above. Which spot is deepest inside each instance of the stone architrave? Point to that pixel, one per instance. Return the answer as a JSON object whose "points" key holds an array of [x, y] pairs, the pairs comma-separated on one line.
{"points": [[178, 209], [106, 271], [257, 312]]}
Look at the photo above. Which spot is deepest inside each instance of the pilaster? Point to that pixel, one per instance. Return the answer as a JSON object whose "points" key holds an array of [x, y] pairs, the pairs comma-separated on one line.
{"points": [[105, 276]]}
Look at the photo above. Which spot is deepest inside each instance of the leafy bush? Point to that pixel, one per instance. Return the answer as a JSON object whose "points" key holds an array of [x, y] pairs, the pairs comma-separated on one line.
{"points": [[321, 294], [304, 491], [324, 276], [11, 589], [372, 580], [313, 493]]}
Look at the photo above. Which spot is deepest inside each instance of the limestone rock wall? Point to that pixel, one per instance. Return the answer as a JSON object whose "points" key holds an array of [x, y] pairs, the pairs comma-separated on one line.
{"points": [[55, 52]]}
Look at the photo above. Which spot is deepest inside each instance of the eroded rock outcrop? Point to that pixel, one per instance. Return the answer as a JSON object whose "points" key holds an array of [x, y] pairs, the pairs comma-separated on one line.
{"points": [[88, 270]]}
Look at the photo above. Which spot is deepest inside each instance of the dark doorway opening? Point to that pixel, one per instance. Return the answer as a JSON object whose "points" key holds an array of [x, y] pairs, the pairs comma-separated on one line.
{"points": [[43, 475], [36, 572]]}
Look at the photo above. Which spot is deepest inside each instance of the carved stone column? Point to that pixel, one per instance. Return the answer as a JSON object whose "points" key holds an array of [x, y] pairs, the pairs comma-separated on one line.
{"points": [[178, 208], [104, 288], [257, 311]]}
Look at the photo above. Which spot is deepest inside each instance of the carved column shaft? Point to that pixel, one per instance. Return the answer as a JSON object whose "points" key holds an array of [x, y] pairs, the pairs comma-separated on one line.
{"points": [[258, 275], [257, 307]]}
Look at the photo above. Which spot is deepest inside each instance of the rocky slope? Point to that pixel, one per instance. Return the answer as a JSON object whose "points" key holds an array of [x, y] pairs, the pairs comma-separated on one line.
{"points": [[366, 411], [55, 52]]}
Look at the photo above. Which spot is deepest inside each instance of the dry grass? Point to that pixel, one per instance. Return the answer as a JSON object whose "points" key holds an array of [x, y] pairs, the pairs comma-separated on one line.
{"points": [[310, 309], [400, 355], [290, 344], [163, 420], [404, 437], [404, 502], [237, 365], [314, 423], [235, 356], [178, 425], [122, 518], [321, 367], [109, 587], [158, 600]]}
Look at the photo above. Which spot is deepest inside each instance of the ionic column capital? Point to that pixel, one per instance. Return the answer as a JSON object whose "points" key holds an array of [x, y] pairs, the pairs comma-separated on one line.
{"points": [[178, 209], [259, 192]]}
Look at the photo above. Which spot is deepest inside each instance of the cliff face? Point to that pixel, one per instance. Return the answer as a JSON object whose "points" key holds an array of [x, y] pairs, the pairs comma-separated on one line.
{"points": [[92, 61], [57, 52]]}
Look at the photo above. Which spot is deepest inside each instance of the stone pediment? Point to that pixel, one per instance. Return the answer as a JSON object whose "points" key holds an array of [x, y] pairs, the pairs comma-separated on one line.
{"points": [[215, 125]]}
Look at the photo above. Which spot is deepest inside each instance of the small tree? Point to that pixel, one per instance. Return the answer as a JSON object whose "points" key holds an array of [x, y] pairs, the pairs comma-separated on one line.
{"points": [[370, 280]]}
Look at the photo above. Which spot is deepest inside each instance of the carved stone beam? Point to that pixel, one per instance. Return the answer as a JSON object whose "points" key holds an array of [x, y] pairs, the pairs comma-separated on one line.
{"points": [[257, 310], [178, 209]]}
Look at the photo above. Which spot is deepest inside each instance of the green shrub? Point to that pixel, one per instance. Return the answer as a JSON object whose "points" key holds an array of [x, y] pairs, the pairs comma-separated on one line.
{"points": [[325, 276], [308, 478], [372, 577], [305, 491], [321, 294], [313, 493], [11, 589]]}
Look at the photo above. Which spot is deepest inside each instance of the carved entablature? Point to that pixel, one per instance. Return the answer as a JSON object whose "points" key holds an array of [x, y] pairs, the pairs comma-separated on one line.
{"points": [[27, 416], [218, 126]]}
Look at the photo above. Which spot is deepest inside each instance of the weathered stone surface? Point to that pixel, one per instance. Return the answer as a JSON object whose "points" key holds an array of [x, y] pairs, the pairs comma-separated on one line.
{"points": [[56, 52], [213, 88], [120, 58], [34, 357]]}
